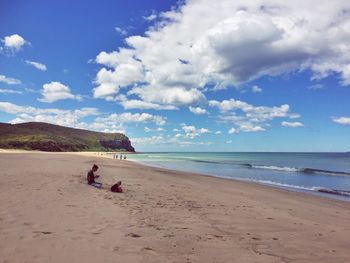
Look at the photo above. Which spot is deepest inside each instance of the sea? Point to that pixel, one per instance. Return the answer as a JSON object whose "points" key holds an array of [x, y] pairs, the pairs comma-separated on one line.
{"points": [[326, 174]]}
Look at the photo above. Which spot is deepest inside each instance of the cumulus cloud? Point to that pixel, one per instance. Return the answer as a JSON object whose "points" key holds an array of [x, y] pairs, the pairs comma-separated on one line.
{"points": [[254, 113], [151, 17], [249, 118], [174, 96], [232, 131], [192, 132], [197, 110], [71, 118], [55, 91], [295, 124], [256, 89], [234, 43], [9, 81], [128, 117], [37, 65], [159, 129], [342, 120], [218, 132], [14, 42], [121, 30], [165, 141], [248, 127], [140, 104]]}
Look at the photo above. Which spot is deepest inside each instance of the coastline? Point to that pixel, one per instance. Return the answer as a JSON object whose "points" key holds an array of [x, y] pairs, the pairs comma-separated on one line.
{"points": [[163, 216]]}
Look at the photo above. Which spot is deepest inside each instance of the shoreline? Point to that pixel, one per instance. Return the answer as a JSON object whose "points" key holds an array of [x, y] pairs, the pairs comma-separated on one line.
{"points": [[49, 213], [319, 192], [107, 155]]}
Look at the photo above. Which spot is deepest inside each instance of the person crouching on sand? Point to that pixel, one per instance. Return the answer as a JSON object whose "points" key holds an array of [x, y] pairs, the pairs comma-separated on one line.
{"points": [[116, 188], [91, 177]]}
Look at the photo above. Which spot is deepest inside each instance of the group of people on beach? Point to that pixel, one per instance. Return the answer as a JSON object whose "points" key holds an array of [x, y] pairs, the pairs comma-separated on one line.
{"points": [[121, 157], [91, 176]]}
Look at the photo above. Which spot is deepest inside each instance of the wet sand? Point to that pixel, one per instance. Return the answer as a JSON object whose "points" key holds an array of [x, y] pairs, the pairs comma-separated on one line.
{"points": [[49, 214]]}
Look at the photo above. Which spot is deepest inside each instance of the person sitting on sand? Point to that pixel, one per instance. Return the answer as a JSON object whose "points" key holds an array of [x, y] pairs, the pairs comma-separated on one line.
{"points": [[91, 177], [116, 188]]}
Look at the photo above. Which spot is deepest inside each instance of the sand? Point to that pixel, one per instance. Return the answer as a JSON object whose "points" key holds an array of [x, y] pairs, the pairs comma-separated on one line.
{"points": [[49, 214]]}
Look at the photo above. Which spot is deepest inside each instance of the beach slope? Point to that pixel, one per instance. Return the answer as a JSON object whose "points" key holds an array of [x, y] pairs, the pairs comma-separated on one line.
{"points": [[49, 214]]}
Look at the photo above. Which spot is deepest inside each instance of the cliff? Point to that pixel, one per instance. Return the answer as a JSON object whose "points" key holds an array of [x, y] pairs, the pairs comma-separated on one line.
{"points": [[54, 138]]}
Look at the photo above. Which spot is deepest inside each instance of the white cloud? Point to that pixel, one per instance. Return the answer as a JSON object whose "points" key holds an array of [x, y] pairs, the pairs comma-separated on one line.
{"points": [[37, 65], [128, 117], [250, 128], [250, 118], [256, 89], [55, 91], [227, 105], [10, 81], [342, 120], [14, 42], [230, 141], [178, 135], [174, 96], [218, 132], [232, 131], [197, 110], [159, 129], [151, 17], [10, 91], [161, 140], [69, 118], [149, 140], [140, 104], [254, 113], [121, 31], [292, 124], [317, 86], [192, 132], [234, 43]]}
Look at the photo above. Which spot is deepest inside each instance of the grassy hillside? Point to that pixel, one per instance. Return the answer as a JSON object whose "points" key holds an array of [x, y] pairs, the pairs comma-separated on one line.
{"points": [[54, 138]]}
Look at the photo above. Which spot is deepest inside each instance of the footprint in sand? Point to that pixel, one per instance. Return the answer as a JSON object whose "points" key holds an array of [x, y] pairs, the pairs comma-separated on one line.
{"points": [[116, 249], [133, 235], [149, 250], [37, 233]]}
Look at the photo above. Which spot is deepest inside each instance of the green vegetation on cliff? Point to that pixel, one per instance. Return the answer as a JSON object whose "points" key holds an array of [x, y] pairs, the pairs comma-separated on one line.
{"points": [[55, 138]]}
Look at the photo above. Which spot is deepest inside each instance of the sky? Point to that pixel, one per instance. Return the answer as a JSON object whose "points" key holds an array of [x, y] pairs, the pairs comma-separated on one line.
{"points": [[194, 75]]}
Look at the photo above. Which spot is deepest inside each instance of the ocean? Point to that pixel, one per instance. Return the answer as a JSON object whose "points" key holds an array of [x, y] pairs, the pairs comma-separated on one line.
{"points": [[326, 174]]}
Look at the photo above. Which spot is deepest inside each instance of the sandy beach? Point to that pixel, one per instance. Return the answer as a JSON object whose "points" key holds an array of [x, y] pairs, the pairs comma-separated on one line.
{"points": [[49, 214]]}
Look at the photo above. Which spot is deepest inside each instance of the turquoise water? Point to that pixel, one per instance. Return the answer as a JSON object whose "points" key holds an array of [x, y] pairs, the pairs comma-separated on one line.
{"points": [[321, 173]]}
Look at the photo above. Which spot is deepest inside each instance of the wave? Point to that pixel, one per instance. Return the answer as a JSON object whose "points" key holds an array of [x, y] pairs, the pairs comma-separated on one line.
{"points": [[294, 169], [276, 168], [304, 188], [205, 161]]}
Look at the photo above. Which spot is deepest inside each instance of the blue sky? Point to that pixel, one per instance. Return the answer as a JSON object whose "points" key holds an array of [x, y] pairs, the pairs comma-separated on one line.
{"points": [[182, 76]]}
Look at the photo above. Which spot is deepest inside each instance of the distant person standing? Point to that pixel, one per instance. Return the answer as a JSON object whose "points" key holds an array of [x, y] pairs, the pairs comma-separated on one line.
{"points": [[91, 177], [125, 157]]}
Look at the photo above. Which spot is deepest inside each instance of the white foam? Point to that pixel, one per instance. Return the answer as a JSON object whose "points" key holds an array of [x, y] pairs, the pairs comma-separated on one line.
{"points": [[277, 168]]}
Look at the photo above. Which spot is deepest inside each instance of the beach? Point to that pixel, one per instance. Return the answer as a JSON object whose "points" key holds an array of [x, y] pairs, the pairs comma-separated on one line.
{"points": [[49, 214]]}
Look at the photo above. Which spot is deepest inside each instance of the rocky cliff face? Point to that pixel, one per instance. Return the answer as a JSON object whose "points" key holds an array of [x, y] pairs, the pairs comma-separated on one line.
{"points": [[118, 144]]}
